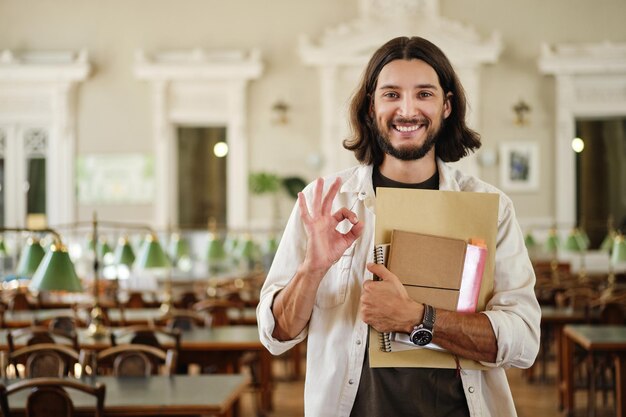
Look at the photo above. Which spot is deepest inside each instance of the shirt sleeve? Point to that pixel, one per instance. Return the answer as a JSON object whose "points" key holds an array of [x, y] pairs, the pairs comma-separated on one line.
{"points": [[513, 310], [289, 256]]}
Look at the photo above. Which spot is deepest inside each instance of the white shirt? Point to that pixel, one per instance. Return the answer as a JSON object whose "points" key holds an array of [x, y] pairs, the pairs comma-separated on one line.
{"points": [[337, 336]]}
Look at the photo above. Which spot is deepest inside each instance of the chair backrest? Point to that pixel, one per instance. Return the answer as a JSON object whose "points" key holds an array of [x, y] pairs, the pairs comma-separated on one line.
{"points": [[185, 320], [135, 300], [28, 336], [48, 398], [42, 360], [186, 300], [218, 309], [19, 302], [146, 335], [132, 360], [612, 313]]}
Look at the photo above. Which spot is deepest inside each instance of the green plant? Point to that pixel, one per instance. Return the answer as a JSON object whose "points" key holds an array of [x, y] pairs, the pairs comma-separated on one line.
{"points": [[263, 182]]}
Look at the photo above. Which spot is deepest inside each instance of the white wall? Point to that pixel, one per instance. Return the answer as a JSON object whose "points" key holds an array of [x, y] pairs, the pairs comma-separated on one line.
{"points": [[114, 108]]}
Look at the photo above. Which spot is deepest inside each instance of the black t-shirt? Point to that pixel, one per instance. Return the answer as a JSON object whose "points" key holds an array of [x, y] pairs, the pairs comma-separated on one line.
{"points": [[418, 392]]}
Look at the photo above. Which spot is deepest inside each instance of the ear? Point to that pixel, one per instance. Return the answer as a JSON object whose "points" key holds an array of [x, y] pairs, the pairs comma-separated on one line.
{"points": [[447, 105]]}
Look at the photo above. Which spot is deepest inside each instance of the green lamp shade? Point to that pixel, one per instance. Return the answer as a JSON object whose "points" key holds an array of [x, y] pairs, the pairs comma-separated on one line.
{"points": [[529, 241], [3, 248], [31, 257], [576, 241], [231, 244], [619, 250], [271, 245], [179, 247], [103, 249], [152, 255], [124, 254], [91, 244], [56, 273], [584, 239], [215, 249], [552, 243], [607, 243], [247, 250]]}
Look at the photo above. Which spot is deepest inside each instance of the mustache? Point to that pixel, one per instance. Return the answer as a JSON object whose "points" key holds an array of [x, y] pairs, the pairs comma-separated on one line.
{"points": [[410, 120]]}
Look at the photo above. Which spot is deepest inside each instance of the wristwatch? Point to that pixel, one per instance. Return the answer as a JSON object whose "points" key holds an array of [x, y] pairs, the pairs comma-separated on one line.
{"points": [[423, 334]]}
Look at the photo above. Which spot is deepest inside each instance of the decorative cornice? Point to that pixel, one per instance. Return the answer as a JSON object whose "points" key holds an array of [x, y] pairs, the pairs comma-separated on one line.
{"points": [[197, 64], [585, 58], [44, 66], [353, 42]]}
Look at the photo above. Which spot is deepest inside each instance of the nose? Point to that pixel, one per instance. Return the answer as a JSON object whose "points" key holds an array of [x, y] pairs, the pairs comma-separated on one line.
{"points": [[407, 107]]}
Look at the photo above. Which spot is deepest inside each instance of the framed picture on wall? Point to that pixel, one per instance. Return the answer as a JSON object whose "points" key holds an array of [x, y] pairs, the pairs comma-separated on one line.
{"points": [[519, 166]]}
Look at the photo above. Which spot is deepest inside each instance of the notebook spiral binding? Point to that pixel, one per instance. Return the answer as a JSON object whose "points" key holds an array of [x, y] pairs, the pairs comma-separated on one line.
{"points": [[380, 257]]}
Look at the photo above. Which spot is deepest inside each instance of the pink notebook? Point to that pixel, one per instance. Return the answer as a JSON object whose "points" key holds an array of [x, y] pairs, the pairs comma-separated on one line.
{"points": [[473, 268]]}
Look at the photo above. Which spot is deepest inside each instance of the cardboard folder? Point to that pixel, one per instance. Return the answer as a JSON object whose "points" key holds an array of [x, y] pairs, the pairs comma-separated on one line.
{"points": [[459, 215]]}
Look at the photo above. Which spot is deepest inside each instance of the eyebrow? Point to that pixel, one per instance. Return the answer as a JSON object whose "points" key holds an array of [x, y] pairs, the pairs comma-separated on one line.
{"points": [[394, 87]]}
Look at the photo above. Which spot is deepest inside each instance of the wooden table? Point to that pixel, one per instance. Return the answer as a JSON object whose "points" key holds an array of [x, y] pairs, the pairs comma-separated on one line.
{"points": [[117, 317], [221, 346], [594, 339], [552, 321], [159, 395]]}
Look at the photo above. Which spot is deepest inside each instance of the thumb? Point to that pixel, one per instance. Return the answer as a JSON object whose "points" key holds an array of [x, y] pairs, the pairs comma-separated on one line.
{"points": [[381, 272]]}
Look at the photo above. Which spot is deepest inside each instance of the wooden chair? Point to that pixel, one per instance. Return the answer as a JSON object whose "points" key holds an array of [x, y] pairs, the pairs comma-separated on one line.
{"points": [[19, 301], [218, 309], [28, 336], [66, 324], [40, 360], [131, 360], [146, 335], [185, 320], [186, 300], [48, 397]]}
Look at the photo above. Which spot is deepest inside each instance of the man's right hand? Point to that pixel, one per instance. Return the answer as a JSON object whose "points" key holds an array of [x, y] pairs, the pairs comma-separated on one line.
{"points": [[325, 244], [293, 305]]}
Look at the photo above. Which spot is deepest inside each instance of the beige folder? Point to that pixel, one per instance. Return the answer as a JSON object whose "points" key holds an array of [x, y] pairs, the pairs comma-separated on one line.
{"points": [[461, 215]]}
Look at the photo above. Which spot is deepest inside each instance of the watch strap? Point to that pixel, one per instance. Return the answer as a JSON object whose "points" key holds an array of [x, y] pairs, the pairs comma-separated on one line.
{"points": [[429, 317]]}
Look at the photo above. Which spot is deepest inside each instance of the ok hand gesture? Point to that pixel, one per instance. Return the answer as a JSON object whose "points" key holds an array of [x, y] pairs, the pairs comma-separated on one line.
{"points": [[325, 244]]}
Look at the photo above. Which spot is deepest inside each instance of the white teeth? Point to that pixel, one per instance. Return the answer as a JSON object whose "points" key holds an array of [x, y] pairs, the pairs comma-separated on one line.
{"points": [[407, 128]]}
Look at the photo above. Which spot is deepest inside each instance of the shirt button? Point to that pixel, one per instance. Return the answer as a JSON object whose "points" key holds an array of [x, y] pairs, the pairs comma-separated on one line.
{"points": [[358, 342], [351, 381], [471, 390]]}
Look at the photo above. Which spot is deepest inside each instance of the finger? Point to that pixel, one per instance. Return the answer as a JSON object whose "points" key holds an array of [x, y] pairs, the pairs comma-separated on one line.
{"points": [[345, 213], [330, 195], [356, 231], [304, 209], [317, 196]]}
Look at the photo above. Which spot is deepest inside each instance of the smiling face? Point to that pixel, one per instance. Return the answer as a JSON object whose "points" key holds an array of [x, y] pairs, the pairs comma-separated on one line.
{"points": [[409, 107]]}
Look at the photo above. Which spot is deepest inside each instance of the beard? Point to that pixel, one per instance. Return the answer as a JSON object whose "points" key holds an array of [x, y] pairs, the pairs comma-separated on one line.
{"points": [[407, 152]]}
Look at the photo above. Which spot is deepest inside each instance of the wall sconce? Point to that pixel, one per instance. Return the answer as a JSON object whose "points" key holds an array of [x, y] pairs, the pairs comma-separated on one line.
{"points": [[279, 111], [521, 109]]}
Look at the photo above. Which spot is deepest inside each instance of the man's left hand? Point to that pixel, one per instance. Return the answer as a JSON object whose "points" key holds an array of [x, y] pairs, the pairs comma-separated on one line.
{"points": [[385, 304]]}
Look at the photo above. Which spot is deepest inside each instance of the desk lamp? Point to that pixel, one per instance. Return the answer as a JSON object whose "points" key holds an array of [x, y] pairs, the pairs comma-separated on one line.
{"points": [[123, 259], [30, 258], [54, 271], [215, 254], [618, 255], [179, 252], [577, 242], [152, 256], [552, 246]]}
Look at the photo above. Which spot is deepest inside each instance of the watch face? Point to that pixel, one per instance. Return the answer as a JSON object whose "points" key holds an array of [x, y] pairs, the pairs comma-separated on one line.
{"points": [[421, 337]]}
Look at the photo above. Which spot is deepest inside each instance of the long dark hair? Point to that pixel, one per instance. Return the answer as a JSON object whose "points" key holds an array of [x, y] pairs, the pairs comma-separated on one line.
{"points": [[455, 139]]}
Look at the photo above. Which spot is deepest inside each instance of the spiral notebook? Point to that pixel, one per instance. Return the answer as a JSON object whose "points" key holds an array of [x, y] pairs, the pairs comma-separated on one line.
{"points": [[446, 271]]}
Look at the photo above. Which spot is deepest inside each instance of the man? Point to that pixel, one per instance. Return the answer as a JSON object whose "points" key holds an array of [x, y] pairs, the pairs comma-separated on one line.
{"points": [[408, 118]]}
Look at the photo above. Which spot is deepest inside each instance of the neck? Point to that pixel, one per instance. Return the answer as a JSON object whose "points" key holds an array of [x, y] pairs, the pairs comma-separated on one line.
{"points": [[409, 172]]}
